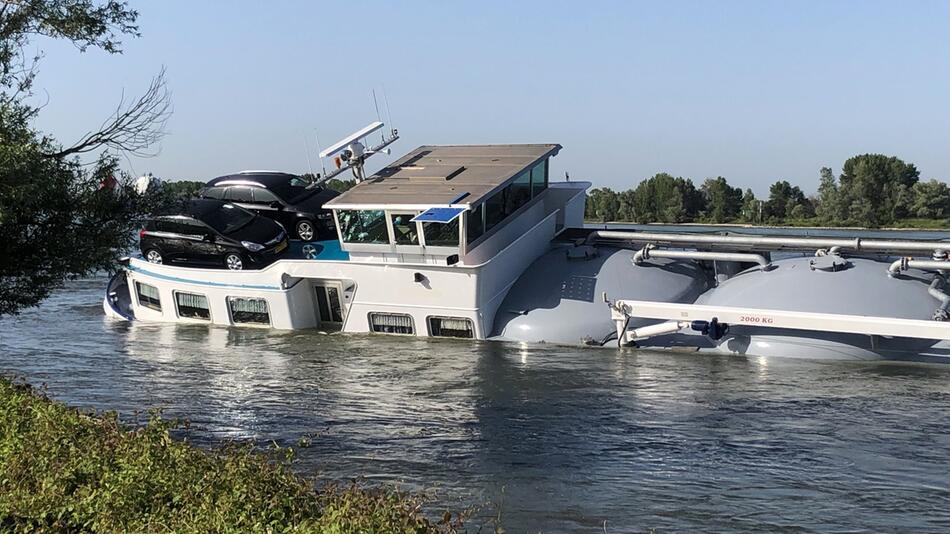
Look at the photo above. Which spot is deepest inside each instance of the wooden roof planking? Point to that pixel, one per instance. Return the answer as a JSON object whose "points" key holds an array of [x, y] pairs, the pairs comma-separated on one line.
{"points": [[447, 175]]}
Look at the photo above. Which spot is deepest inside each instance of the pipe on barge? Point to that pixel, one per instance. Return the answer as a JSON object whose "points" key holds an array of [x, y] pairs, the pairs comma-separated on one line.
{"points": [[770, 243], [649, 251]]}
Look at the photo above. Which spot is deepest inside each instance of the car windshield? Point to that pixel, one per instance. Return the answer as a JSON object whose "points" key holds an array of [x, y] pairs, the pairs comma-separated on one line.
{"points": [[291, 189], [227, 218]]}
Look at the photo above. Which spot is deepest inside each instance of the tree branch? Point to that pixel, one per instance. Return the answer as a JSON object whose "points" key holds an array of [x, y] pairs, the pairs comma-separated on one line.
{"points": [[134, 129]]}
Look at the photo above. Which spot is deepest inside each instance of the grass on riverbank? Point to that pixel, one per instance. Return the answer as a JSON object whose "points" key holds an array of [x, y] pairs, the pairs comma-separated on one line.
{"points": [[62, 470]]}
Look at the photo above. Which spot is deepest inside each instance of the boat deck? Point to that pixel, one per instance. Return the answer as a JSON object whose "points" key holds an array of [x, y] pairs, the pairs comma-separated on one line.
{"points": [[328, 250]]}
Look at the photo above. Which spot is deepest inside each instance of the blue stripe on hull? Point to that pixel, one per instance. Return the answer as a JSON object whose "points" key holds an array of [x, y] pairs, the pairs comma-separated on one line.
{"points": [[200, 282]]}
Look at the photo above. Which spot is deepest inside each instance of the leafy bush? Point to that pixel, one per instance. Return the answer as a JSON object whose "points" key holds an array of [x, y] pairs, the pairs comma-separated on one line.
{"points": [[62, 470]]}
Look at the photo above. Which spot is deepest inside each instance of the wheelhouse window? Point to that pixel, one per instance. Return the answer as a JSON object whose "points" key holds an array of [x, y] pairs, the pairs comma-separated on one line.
{"points": [[248, 310], [539, 178], [460, 327], [391, 323], [527, 185], [148, 296], [519, 192], [495, 209], [192, 306], [442, 234], [363, 226], [475, 224], [404, 231]]}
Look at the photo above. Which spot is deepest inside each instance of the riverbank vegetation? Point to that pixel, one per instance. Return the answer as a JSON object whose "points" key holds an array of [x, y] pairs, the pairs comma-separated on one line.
{"points": [[62, 470], [873, 191], [66, 209]]}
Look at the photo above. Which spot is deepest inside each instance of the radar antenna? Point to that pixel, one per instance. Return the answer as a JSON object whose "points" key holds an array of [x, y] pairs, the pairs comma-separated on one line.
{"points": [[350, 152]]}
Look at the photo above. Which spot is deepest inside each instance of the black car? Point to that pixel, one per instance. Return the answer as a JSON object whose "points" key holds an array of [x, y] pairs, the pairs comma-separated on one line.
{"points": [[287, 198], [212, 232]]}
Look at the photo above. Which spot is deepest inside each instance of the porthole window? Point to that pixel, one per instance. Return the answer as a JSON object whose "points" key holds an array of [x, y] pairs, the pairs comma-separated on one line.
{"points": [[192, 306], [248, 310], [148, 296], [391, 323], [451, 327]]}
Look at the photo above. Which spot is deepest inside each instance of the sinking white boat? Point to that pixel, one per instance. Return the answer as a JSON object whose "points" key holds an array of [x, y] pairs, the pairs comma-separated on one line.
{"points": [[478, 242]]}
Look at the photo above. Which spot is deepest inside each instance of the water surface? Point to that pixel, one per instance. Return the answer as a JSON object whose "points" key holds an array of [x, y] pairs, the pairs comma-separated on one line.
{"points": [[543, 438]]}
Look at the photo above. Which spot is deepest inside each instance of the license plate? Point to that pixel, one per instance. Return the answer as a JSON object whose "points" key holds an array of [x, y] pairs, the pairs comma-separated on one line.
{"points": [[280, 248]]}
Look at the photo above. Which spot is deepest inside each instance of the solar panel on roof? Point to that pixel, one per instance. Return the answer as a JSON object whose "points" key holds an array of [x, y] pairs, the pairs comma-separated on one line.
{"points": [[438, 215]]}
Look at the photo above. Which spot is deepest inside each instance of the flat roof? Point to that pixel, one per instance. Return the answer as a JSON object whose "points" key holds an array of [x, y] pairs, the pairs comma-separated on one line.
{"points": [[444, 175]]}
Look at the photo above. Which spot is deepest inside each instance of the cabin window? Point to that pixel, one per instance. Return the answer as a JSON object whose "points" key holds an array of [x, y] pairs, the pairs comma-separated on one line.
{"points": [[442, 234], [404, 232], [519, 192], [451, 327], [148, 296], [391, 323], [495, 209], [509, 200], [192, 306], [248, 310], [539, 178], [363, 226], [475, 223]]}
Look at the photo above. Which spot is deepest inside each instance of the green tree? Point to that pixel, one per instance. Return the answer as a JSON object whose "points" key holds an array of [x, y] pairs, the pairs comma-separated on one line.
{"points": [[602, 205], [751, 208], [931, 200], [723, 202], [877, 188], [663, 198], [829, 205], [181, 189], [61, 218], [786, 202]]}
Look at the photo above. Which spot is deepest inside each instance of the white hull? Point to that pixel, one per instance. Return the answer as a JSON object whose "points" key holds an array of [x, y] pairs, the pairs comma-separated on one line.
{"points": [[470, 290]]}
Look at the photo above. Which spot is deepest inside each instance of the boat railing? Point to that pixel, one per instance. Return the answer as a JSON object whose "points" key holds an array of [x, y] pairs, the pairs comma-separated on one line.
{"points": [[774, 243]]}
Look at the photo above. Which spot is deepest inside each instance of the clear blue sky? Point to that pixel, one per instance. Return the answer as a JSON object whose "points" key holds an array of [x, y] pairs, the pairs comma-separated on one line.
{"points": [[754, 91]]}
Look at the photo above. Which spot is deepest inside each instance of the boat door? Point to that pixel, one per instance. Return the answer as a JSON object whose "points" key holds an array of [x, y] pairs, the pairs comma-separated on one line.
{"points": [[329, 301]]}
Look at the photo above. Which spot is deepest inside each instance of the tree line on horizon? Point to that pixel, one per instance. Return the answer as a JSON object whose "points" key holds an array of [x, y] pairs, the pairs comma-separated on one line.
{"points": [[873, 190]]}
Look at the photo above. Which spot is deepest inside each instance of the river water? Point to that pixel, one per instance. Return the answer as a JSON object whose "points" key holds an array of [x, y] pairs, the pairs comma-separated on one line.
{"points": [[541, 438]]}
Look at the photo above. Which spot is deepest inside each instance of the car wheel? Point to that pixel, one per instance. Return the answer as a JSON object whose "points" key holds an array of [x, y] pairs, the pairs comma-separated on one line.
{"points": [[305, 230], [153, 256], [234, 262]]}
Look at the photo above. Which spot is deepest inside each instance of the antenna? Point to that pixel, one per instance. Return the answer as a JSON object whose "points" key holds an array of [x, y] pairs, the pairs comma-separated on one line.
{"points": [[317, 138], [307, 152], [389, 115], [352, 154], [378, 118]]}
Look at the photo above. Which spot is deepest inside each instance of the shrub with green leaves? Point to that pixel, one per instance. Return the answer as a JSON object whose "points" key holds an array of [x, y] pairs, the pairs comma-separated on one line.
{"points": [[62, 470]]}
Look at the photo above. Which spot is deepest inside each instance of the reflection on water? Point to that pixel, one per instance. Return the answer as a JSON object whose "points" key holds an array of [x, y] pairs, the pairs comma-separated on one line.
{"points": [[550, 438]]}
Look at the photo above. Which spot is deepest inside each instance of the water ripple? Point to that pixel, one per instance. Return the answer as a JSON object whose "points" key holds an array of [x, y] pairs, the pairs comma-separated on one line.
{"points": [[547, 438]]}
